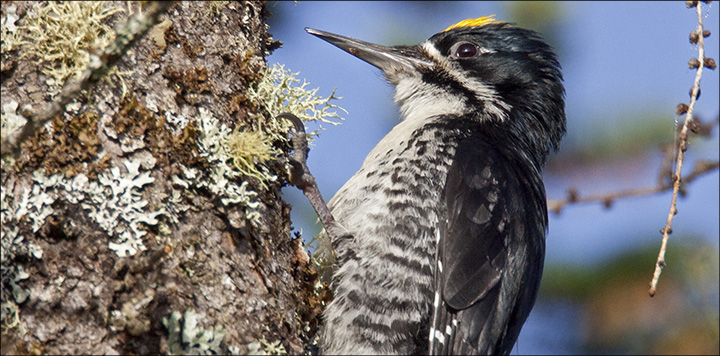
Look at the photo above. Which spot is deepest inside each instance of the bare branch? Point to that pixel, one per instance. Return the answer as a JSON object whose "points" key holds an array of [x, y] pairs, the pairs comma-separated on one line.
{"points": [[701, 168], [667, 178], [682, 138]]}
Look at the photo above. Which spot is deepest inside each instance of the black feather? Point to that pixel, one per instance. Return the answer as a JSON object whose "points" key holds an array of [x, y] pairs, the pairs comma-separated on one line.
{"points": [[491, 248]]}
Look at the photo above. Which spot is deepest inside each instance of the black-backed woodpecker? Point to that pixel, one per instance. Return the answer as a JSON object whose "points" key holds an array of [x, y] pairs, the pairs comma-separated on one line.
{"points": [[447, 215]]}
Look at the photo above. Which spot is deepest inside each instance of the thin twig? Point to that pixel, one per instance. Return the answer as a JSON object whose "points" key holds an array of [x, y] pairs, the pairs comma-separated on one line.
{"points": [[701, 168], [682, 137], [126, 36]]}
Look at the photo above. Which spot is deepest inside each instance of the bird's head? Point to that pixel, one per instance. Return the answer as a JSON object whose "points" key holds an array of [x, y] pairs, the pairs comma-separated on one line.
{"points": [[483, 69]]}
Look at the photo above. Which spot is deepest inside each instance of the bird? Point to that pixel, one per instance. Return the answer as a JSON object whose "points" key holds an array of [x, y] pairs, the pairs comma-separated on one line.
{"points": [[446, 219]]}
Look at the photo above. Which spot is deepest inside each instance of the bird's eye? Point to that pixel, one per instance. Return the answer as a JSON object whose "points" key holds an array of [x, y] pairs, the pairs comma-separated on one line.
{"points": [[466, 50]]}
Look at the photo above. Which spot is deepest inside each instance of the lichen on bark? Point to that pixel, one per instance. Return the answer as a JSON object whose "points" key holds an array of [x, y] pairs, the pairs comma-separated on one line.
{"points": [[65, 290]]}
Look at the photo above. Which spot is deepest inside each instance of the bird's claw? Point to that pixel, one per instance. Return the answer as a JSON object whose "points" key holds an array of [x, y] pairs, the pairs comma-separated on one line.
{"points": [[301, 177]]}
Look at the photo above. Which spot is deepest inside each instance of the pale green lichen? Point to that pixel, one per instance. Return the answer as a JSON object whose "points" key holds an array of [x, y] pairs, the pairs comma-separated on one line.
{"points": [[62, 34], [262, 347], [120, 210], [36, 203], [185, 337], [247, 150], [252, 146], [20, 294], [11, 39], [9, 314], [250, 150], [273, 348], [11, 244], [213, 146], [130, 318], [11, 122], [323, 258], [8, 231], [114, 201], [215, 7], [9, 310], [221, 178], [280, 91], [254, 348]]}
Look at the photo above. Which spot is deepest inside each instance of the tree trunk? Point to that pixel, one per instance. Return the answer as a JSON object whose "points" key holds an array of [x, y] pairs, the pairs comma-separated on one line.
{"points": [[119, 235]]}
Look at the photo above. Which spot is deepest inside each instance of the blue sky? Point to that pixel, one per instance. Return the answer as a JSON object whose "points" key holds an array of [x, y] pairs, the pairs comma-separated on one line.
{"points": [[622, 61]]}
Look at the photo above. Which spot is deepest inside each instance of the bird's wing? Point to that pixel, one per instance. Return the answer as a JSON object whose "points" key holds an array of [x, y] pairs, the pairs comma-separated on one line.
{"points": [[490, 251]]}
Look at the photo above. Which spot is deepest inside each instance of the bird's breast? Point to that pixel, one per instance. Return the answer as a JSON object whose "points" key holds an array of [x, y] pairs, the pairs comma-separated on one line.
{"points": [[393, 208]]}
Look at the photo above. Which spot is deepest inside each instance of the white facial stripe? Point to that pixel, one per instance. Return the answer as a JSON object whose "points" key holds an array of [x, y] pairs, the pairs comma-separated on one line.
{"points": [[419, 101], [433, 53], [495, 107]]}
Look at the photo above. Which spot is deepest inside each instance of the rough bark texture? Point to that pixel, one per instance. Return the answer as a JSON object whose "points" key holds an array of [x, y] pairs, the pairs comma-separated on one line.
{"points": [[249, 279]]}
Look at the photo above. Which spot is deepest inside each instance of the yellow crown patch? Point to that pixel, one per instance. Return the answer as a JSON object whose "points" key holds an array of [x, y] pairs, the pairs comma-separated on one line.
{"points": [[480, 21]]}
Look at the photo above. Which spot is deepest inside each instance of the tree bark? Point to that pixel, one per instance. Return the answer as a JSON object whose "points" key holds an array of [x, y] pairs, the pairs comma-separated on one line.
{"points": [[65, 290]]}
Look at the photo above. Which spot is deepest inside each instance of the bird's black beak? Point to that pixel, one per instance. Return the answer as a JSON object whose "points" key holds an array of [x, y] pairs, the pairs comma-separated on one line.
{"points": [[391, 60]]}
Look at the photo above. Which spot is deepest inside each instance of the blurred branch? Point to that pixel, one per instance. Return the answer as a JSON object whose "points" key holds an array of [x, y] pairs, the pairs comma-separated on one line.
{"points": [[673, 155], [664, 179], [126, 36], [698, 35], [701, 168]]}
